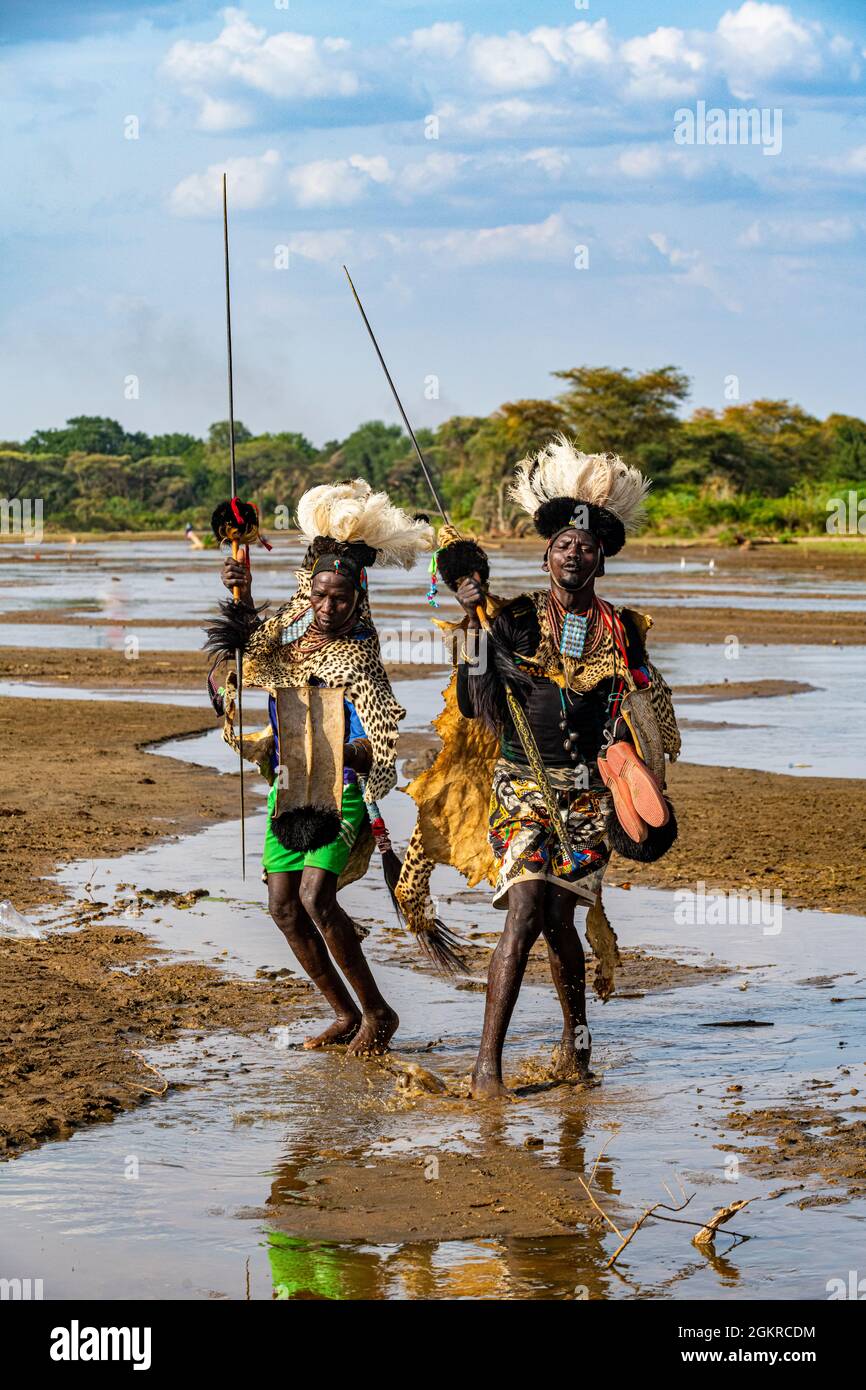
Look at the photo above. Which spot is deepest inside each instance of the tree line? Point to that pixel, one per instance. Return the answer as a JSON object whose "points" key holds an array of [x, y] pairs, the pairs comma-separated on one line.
{"points": [[762, 465]]}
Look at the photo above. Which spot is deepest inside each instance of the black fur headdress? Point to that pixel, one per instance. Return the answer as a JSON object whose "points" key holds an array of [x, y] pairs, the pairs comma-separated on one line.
{"points": [[561, 487]]}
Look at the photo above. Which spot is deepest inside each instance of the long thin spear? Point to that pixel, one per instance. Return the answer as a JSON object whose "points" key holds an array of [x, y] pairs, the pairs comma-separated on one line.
{"points": [[239, 670], [409, 430]]}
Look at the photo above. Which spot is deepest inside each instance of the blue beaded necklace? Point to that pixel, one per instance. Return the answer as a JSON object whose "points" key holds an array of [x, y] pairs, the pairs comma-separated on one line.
{"points": [[572, 637]]}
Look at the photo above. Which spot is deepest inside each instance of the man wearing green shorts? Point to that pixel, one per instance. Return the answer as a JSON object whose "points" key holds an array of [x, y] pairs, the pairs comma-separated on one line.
{"points": [[302, 888]]}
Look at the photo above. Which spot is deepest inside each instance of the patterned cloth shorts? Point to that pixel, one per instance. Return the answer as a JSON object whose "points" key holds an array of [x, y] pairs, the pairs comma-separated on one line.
{"points": [[525, 846]]}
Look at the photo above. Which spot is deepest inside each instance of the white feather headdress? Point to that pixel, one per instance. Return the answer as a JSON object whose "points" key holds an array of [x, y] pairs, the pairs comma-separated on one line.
{"points": [[352, 511], [560, 470]]}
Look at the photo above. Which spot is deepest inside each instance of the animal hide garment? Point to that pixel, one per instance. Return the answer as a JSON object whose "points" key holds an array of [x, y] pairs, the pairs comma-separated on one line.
{"points": [[312, 730]]}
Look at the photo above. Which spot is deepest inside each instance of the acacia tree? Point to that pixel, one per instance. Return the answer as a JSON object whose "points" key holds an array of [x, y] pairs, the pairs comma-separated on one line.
{"points": [[620, 411], [90, 434], [514, 430]]}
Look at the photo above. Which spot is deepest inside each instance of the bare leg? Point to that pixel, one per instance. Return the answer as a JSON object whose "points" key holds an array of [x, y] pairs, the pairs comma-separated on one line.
{"points": [[284, 905], [568, 969], [523, 924], [379, 1021]]}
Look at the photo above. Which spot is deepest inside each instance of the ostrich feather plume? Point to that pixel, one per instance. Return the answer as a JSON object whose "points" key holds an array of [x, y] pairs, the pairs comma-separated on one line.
{"points": [[560, 470], [352, 511]]}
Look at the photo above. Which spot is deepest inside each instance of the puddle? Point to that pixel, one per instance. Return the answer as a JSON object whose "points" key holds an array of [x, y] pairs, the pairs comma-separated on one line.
{"points": [[107, 637], [145, 695]]}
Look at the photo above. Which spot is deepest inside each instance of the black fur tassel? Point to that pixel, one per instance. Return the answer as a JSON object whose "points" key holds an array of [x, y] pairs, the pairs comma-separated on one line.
{"points": [[442, 949], [487, 688], [461, 560], [657, 843], [306, 828], [233, 630]]}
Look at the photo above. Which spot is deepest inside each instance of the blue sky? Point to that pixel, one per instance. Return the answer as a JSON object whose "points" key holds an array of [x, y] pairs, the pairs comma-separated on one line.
{"points": [[555, 131]]}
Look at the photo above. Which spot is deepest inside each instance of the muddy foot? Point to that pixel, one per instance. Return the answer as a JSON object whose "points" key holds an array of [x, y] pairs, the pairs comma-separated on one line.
{"points": [[374, 1034], [570, 1063], [342, 1030], [483, 1086]]}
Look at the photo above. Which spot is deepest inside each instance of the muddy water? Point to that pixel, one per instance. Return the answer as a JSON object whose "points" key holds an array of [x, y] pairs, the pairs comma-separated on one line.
{"points": [[133, 582], [168, 1201]]}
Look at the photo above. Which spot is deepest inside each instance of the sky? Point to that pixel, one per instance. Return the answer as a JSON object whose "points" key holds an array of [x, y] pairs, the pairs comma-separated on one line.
{"points": [[514, 187]]}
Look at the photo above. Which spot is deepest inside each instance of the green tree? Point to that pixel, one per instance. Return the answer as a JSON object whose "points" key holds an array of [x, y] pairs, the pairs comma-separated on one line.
{"points": [[619, 411], [783, 439], [844, 441], [173, 445], [370, 452], [515, 430], [218, 434], [89, 434]]}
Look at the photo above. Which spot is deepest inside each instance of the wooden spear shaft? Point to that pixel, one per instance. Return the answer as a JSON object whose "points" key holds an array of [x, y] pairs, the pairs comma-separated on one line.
{"points": [[239, 671]]}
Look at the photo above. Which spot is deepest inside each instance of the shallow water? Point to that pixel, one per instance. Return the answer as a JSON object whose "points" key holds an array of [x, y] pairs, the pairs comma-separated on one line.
{"points": [[137, 581], [257, 1111], [113, 637]]}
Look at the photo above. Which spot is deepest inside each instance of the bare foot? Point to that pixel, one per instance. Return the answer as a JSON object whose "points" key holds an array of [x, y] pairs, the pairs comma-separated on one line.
{"points": [[374, 1034], [342, 1030], [485, 1086], [570, 1063]]}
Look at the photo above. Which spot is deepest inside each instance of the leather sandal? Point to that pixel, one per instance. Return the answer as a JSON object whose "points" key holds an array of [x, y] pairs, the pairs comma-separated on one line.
{"points": [[633, 825], [646, 794]]}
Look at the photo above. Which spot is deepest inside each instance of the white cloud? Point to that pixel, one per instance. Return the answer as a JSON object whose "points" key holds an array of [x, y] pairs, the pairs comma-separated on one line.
{"points": [[663, 64], [285, 66], [641, 162], [577, 45], [337, 182], [516, 61], [325, 248], [252, 183], [431, 174], [513, 62], [497, 119], [216, 115], [553, 162], [852, 162], [755, 46], [784, 233], [653, 161], [535, 241], [692, 269], [439, 41], [761, 41]]}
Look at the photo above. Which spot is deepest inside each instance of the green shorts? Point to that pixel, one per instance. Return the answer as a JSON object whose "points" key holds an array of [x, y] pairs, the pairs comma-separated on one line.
{"points": [[276, 859]]}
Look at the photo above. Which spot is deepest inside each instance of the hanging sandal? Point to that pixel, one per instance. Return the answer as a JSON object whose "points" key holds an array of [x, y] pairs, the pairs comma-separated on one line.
{"points": [[623, 761], [633, 825]]}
